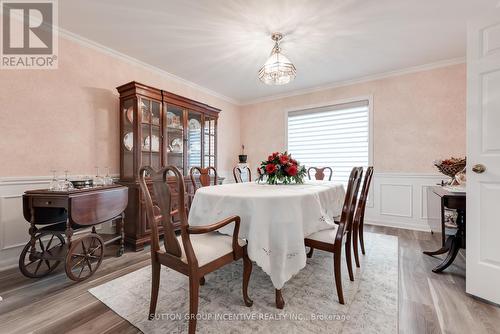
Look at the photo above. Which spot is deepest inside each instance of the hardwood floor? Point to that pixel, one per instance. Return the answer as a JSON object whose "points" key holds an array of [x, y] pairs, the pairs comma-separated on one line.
{"points": [[428, 302]]}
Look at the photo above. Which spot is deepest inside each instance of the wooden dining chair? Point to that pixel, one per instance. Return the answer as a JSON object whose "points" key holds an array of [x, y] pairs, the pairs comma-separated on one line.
{"points": [[201, 177], [359, 217], [331, 240], [237, 174], [197, 251], [320, 173], [259, 172]]}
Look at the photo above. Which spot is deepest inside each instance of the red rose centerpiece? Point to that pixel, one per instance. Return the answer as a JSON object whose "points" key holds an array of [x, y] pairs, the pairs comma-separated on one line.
{"points": [[281, 168]]}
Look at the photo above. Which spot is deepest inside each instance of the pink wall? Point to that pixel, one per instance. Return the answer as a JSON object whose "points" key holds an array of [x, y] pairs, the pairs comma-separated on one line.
{"points": [[418, 117], [68, 118]]}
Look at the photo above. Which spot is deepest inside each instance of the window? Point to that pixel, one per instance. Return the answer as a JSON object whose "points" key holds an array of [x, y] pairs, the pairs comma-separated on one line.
{"points": [[337, 136]]}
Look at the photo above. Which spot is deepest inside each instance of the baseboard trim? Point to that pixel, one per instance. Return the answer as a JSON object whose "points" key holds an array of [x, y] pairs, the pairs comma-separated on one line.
{"points": [[413, 227]]}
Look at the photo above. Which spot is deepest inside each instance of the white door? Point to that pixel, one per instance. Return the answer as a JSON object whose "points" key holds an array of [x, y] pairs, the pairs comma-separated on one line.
{"points": [[483, 149]]}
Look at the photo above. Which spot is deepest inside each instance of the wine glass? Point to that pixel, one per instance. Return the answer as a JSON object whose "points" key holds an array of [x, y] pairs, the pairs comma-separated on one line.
{"points": [[65, 185], [54, 183], [98, 180], [108, 180]]}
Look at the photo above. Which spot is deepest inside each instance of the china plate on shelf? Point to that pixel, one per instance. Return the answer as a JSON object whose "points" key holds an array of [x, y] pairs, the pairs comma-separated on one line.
{"points": [[130, 114], [128, 141], [173, 121], [176, 145], [194, 124], [154, 144]]}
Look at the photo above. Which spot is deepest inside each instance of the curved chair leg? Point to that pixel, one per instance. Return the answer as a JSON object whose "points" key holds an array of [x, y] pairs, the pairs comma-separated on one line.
{"points": [[361, 240], [355, 244], [194, 286], [310, 253], [338, 277], [348, 256], [247, 271], [202, 280], [155, 285]]}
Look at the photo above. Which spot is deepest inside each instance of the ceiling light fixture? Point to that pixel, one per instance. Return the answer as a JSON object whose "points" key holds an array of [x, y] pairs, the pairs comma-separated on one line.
{"points": [[277, 70]]}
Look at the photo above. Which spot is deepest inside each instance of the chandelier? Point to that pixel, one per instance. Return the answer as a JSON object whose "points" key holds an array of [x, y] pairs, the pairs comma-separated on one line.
{"points": [[277, 70]]}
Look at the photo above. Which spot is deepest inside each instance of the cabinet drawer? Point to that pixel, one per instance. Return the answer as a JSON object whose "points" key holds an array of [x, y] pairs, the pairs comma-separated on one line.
{"points": [[50, 202]]}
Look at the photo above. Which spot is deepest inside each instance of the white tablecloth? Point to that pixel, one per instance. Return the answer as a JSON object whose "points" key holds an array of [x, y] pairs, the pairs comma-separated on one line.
{"points": [[274, 219]]}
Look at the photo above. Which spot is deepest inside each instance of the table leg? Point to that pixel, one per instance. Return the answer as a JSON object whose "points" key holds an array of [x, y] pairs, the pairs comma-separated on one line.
{"points": [[121, 250], [280, 303], [32, 232], [68, 232], [456, 242], [441, 250], [455, 246], [443, 228], [445, 245]]}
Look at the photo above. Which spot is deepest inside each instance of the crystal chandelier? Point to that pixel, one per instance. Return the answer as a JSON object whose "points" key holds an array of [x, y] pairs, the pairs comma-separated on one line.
{"points": [[277, 70]]}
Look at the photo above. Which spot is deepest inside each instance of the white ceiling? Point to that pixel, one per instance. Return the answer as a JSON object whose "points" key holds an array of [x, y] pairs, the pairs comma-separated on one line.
{"points": [[221, 44]]}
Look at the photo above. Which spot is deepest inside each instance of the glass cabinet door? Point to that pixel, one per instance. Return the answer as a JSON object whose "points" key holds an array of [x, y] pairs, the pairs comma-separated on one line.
{"points": [[127, 138], [150, 115], [174, 129], [209, 142], [194, 139]]}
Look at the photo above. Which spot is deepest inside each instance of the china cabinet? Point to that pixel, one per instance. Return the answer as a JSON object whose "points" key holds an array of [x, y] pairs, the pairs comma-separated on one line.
{"points": [[158, 128]]}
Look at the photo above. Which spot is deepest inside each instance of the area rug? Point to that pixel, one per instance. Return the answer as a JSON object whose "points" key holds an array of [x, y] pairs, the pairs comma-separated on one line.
{"points": [[311, 304]]}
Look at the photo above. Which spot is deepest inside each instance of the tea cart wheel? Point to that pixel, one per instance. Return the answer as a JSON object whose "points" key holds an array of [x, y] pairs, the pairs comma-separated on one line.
{"points": [[84, 257], [43, 257]]}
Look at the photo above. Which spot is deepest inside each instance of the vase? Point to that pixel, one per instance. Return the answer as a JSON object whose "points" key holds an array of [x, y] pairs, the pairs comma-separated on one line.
{"points": [[242, 158]]}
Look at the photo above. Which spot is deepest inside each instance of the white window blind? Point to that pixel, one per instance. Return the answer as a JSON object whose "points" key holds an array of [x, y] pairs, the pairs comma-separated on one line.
{"points": [[335, 136]]}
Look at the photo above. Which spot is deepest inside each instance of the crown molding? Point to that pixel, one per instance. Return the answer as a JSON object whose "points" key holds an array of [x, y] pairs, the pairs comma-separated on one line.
{"points": [[368, 78], [112, 52]]}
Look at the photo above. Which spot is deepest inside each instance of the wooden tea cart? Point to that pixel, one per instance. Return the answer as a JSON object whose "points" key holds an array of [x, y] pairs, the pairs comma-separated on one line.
{"points": [[54, 217]]}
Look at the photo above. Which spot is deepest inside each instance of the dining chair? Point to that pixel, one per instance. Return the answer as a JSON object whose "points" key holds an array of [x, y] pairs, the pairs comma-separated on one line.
{"points": [[320, 173], [197, 251], [259, 172], [203, 177], [331, 240], [237, 174], [360, 216]]}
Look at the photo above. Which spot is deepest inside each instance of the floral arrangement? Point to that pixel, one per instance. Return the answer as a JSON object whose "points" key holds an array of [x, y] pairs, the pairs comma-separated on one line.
{"points": [[281, 168]]}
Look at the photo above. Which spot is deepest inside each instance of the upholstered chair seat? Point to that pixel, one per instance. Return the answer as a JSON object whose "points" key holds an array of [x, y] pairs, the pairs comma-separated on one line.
{"points": [[209, 246], [327, 236]]}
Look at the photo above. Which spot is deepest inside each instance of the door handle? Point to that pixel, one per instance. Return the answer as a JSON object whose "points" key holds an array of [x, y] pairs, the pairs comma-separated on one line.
{"points": [[479, 168]]}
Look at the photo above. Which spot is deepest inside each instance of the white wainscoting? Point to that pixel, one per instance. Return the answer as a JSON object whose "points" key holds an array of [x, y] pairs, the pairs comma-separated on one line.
{"points": [[13, 227], [403, 200], [397, 200]]}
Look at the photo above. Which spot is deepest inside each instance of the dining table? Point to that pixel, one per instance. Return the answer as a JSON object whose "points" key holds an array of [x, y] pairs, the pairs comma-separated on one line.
{"points": [[275, 219]]}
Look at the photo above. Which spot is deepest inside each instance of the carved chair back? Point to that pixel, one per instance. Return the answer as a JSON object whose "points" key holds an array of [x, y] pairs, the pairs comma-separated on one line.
{"points": [[320, 173], [160, 210], [201, 177], [237, 174], [259, 172], [360, 211], [350, 201]]}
